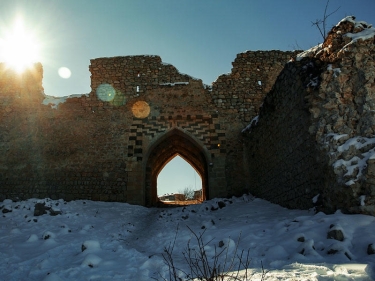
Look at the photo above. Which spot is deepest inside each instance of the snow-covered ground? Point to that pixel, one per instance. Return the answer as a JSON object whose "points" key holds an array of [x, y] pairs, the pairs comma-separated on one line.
{"points": [[117, 241]]}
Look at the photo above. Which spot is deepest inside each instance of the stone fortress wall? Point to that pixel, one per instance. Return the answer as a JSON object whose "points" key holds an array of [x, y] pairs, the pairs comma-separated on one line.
{"points": [[313, 142], [112, 143], [283, 159]]}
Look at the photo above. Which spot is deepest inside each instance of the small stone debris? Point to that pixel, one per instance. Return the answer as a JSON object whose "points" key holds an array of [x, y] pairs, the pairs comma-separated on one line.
{"points": [[301, 239], [335, 234], [334, 251], [221, 204], [6, 210], [41, 209]]}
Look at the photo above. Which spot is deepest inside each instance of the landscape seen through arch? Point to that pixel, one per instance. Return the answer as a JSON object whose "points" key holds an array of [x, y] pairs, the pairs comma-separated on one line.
{"points": [[180, 187]]}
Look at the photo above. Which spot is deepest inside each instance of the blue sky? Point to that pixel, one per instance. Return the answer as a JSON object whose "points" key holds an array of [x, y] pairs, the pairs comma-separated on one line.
{"points": [[200, 37], [177, 175]]}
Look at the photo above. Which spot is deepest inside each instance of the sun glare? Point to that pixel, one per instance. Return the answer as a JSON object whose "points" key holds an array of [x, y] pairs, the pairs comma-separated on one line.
{"points": [[18, 47]]}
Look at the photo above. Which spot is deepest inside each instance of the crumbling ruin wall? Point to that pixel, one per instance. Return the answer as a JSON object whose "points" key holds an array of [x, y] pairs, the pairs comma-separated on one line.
{"points": [[20, 96], [241, 92], [282, 157], [238, 96], [343, 122], [109, 144], [310, 140], [313, 141]]}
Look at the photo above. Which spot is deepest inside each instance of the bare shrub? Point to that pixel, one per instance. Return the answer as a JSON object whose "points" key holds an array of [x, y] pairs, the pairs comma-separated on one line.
{"points": [[188, 192], [221, 266]]}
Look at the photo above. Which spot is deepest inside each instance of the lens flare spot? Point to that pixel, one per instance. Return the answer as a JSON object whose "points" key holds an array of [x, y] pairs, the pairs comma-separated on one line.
{"points": [[141, 109], [105, 92], [64, 72]]}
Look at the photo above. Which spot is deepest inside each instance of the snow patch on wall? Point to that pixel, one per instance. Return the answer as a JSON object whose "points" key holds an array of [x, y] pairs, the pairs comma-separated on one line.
{"points": [[315, 198], [174, 84], [252, 124], [55, 101], [351, 157], [366, 33], [310, 52]]}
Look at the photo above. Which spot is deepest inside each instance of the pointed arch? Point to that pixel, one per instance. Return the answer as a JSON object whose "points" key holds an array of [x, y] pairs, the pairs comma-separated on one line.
{"points": [[163, 150]]}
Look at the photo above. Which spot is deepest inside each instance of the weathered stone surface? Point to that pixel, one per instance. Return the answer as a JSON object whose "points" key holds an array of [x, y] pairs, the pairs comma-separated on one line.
{"points": [[327, 97], [283, 160], [314, 134], [111, 143]]}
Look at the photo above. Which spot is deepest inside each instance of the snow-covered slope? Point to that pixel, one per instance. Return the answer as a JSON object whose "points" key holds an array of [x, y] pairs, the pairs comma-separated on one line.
{"points": [[89, 240]]}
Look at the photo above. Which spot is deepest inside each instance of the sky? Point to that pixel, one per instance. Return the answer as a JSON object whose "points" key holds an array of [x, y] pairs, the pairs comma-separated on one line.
{"points": [[200, 38], [109, 241], [176, 176]]}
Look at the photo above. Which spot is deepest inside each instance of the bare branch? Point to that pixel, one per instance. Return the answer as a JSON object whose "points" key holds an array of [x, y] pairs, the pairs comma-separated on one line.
{"points": [[321, 24], [205, 267]]}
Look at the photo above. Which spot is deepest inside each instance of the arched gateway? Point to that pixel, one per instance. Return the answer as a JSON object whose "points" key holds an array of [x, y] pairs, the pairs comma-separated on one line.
{"points": [[173, 143]]}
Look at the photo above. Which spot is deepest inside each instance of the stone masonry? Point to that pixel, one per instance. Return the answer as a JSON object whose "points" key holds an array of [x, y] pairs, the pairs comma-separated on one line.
{"points": [[297, 130], [313, 142], [112, 143]]}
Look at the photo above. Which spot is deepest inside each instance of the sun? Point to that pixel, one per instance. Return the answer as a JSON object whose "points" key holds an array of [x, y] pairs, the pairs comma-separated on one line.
{"points": [[18, 47]]}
